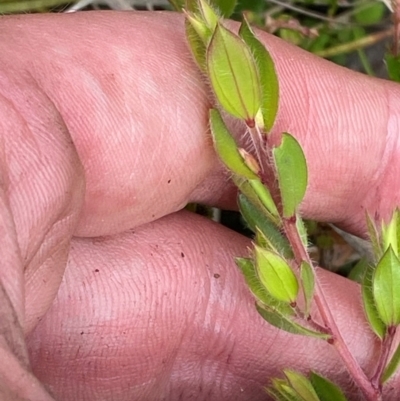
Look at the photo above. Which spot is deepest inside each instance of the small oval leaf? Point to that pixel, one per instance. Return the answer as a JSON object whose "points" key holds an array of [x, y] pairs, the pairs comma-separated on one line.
{"points": [[385, 287], [226, 147], [326, 390], [264, 196], [255, 216], [375, 322], [253, 282], [276, 275], [233, 74], [268, 78], [302, 230], [275, 319], [259, 195], [291, 167], [307, 275]]}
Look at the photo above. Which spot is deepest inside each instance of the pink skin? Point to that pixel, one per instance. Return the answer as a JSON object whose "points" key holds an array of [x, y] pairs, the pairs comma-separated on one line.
{"points": [[104, 122]]}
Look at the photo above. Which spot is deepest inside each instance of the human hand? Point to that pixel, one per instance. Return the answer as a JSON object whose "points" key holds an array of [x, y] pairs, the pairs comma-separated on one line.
{"points": [[104, 122]]}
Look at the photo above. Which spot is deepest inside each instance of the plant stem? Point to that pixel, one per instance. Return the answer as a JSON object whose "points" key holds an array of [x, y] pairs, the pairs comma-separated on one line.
{"points": [[356, 44], [258, 143], [370, 392], [383, 358]]}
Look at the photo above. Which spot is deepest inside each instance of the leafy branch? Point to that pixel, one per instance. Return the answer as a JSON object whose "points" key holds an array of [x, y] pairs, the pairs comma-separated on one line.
{"points": [[271, 175]]}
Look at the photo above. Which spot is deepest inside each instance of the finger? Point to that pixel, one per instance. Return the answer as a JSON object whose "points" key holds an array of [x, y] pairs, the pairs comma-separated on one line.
{"points": [[136, 108], [41, 193], [163, 313]]}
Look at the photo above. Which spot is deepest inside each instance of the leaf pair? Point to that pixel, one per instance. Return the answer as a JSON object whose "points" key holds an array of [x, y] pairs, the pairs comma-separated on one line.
{"points": [[240, 69], [381, 293], [381, 283], [289, 159]]}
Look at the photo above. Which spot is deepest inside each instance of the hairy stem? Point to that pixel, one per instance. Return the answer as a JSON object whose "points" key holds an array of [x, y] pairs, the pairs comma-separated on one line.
{"points": [[258, 143], [371, 393]]}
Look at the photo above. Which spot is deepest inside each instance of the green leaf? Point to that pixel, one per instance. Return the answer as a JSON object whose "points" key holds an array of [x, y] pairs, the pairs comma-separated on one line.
{"points": [[282, 391], [264, 196], [307, 276], [256, 216], [260, 293], [390, 232], [259, 195], [385, 287], [302, 230], [393, 66], [357, 273], [275, 319], [301, 385], [374, 237], [370, 310], [291, 167], [370, 14], [226, 147], [197, 45], [226, 7], [210, 17], [276, 275], [392, 366], [326, 390], [233, 75], [275, 394], [268, 78], [202, 30]]}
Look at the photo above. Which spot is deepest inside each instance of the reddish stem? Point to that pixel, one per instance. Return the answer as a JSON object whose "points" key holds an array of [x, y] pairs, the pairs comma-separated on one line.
{"points": [[370, 392]]}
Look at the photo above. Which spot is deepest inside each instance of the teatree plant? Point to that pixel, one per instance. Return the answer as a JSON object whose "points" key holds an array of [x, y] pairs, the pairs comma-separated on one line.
{"points": [[271, 175]]}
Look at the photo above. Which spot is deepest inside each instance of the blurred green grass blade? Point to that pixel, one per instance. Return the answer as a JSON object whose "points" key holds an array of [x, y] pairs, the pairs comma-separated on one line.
{"points": [[10, 7], [393, 66]]}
